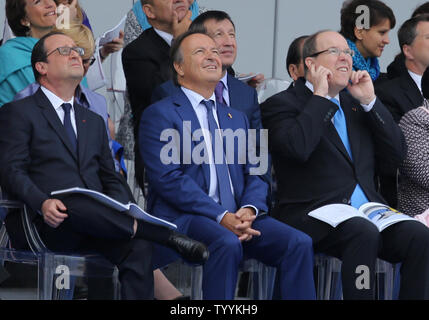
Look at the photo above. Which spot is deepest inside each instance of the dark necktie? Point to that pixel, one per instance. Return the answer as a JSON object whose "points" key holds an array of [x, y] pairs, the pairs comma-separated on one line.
{"points": [[224, 187], [358, 196], [68, 125], [219, 92]]}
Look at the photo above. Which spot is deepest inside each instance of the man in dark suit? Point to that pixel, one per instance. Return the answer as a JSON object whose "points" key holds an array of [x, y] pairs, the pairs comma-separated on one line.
{"points": [[220, 204], [49, 142], [405, 92], [325, 144], [146, 59]]}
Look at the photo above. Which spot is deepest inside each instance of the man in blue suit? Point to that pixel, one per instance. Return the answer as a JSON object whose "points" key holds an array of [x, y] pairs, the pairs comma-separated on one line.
{"points": [[222, 205], [229, 90]]}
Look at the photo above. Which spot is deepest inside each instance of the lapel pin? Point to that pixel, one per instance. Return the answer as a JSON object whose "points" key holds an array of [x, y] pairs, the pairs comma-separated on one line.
{"points": [[229, 115], [354, 109], [84, 121]]}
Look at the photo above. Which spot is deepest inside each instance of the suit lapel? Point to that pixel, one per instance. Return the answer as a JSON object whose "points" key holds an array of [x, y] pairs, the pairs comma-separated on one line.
{"points": [[351, 108], [411, 90], [51, 116], [187, 113], [227, 121], [232, 93], [331, 132], [82, 129]]}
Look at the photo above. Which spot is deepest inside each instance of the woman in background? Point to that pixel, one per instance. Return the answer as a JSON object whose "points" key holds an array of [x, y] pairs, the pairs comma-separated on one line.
{"points": [[367, 41], [413, 191], [29, 21]]}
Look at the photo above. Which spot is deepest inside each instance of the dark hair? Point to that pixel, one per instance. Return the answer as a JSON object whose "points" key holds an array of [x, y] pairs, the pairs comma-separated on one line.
{"points": [[378, 11], [310, 46], [15, 12], [422, 9], [39, 53], [408, 31], [198, 23], [143, 2], [176, 55], [294, 54]]}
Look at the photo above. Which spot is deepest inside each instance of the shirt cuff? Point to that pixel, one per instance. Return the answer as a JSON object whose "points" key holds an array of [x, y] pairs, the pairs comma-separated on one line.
{"points": [[250, 206], [220, 217], [368, 107]]}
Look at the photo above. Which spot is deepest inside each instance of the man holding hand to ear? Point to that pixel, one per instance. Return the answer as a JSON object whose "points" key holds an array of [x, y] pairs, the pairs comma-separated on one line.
{"points": [[326, 143]]}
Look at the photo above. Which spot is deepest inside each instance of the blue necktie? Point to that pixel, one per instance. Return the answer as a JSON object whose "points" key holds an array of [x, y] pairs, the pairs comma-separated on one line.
{"points": [[68, 125], [358, 196], [224, 187]]}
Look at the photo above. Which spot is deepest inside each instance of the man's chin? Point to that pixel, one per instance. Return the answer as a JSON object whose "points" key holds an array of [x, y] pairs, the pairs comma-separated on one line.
{"points": [[181, 13]]}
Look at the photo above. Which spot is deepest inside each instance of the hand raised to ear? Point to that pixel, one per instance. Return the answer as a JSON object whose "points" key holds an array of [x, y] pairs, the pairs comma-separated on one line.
{"points": [[319, 78], [361, 87]]}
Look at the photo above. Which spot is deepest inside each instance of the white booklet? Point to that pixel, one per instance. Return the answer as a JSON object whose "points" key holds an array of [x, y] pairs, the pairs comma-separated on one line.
{"points": [[380, 214], [113, 33], [129, 208]]}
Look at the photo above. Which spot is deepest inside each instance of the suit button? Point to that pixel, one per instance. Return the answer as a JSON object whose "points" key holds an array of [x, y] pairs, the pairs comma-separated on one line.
{"points": [[345, 201]]}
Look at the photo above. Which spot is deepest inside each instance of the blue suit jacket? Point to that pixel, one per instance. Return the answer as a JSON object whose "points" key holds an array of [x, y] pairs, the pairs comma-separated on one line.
{"points": [[241, 97], [177, 190]]}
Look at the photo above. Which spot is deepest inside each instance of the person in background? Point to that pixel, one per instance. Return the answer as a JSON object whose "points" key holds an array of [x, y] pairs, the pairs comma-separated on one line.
{"points": [[79, 16], [368, 37], [29, 21], [294, 62]]}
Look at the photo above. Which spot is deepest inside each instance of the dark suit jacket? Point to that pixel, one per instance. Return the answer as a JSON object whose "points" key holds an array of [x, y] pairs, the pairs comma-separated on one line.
{"points": [[400, 95], [312, 165], [36, 156], [146, 65], [241, 97], [179, 189]]}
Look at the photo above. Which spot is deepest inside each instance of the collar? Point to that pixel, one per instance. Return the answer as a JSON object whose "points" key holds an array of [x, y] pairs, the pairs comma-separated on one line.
{"points": [[417, 79], [310, 86], [165, 35], [55, 100], [195, 98]]}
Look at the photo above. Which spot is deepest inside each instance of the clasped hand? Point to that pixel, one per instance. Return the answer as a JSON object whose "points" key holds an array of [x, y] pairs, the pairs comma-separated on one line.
{"points": [[240, 223]]}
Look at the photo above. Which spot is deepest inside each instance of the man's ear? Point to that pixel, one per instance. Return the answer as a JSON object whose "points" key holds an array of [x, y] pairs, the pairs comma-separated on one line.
{"points": [[41, 68], [293, 70], [179, 69], [408, 52], [149, 12], [309, 61], [358, 32]]}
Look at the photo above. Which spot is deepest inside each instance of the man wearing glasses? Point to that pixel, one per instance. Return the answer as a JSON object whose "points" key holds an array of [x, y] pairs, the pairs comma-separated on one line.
{"points": [[85, 97], [49, 142], [326, 143]]}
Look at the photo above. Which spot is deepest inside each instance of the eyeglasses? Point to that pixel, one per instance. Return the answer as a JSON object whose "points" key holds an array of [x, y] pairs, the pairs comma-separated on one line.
{"points": [[89, 61], [66, 51], [335, 52]]}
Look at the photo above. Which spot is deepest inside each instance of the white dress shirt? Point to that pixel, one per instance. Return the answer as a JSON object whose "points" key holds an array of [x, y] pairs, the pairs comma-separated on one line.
{"points": [[56, 103]]}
